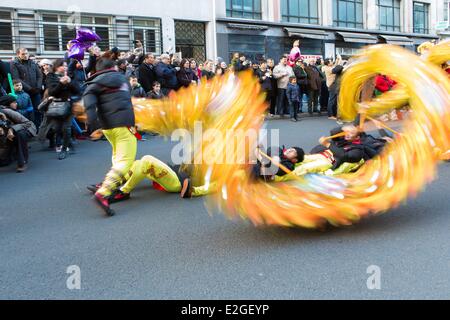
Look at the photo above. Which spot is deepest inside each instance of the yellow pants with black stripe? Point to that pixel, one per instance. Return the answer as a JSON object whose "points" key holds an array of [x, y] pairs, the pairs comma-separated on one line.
{"points": [[124, 149], [313, 164], [155, 170]]}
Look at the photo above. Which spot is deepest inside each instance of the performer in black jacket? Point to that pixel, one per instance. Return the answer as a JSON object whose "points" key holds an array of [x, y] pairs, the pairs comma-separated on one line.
{"points": [[107, 100]]}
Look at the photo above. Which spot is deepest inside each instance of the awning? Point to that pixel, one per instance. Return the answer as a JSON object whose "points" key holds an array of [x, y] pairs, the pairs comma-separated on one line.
{"points": [[306, 33], [397, 40], [419, 41], [358, 37]]}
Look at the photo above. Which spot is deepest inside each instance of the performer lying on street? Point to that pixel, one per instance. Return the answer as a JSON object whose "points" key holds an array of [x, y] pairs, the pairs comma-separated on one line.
{"points": [[340, 155], [174, 180], [164, 178], [263, 169]]}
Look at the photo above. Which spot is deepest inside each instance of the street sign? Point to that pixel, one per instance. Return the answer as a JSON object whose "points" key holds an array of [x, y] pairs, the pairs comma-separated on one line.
{"points": [[441, 25]]}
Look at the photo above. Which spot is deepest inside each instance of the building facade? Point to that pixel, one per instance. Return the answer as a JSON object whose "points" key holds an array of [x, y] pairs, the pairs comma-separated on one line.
{"points": [[267, 28], [217, 28], [45, 27]]}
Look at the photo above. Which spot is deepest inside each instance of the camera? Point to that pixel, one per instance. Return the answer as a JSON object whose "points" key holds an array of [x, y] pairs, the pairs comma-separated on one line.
{"points": [[5, 125]]}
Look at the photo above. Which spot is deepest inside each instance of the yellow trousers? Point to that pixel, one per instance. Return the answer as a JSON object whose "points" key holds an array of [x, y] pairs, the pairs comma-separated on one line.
{"points": [[155, 170], [124, 148], [315, 163]]}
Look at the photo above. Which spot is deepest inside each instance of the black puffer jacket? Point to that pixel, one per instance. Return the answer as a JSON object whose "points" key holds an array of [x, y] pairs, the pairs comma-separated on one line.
{"points": [[264, 80], [4, 70], [29, 73], [107, 101], [61, 91]]}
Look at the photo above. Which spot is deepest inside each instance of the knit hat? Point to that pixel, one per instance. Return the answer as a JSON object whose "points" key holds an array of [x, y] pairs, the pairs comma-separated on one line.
{"points": [[45, 62], [7, 100]]}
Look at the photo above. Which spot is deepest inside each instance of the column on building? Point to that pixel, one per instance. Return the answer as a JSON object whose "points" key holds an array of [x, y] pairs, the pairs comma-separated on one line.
{"points": [[326, 12], [433, 15], [407, 18], [168, 33], [371, 10]]}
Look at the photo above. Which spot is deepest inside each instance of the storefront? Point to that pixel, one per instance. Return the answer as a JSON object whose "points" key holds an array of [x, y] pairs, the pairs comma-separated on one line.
{"points": [[262, 41]]}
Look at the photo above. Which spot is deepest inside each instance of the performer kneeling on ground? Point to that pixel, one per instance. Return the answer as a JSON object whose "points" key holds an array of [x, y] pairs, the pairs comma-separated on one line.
{"points": [[107, 100]]}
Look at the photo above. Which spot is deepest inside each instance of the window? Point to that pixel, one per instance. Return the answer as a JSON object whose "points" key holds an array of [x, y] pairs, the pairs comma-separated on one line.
{"points": [[253, 47], [389, 15], [58, 29], [247, 9], [301, 11], [147, 31], [420, 13], [5, 31], [348, 13], [101, 26], [190, 39]]}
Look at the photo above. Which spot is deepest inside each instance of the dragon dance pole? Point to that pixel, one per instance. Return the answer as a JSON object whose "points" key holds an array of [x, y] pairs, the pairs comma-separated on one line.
{"points": [[11, 85]]}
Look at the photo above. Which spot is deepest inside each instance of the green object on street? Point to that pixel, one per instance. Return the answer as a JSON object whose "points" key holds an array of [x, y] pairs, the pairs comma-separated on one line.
{"points": [[11, 85]]}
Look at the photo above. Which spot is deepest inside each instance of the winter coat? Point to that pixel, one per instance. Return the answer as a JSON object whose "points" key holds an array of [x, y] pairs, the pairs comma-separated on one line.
{"points": [[138, 92], [77, 75], [293, 93], [4, 70], [24, 103], [167, 76], [29, 73], [156, 96], [185, 77], [239, 66], [107, 100], [336, 86], [146, 76], [18, 121], [282, 74], [61, 91], [302, 78], [264, 80], [314, 78], [329, 75], [345, 151], [91, 66], [274, 83], [197, 72], [208, 74]]}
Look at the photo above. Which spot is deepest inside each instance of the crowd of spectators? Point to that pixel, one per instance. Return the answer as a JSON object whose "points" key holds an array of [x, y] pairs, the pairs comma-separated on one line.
{"points": [[311, 86]]}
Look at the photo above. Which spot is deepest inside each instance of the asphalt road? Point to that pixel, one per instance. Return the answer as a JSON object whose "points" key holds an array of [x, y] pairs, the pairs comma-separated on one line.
{"points": [[160, 247]]}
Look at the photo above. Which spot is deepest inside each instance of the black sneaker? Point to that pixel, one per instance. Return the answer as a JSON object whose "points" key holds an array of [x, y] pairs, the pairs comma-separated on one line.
{"points": [[94, 188], [103, 203], [186, 190], [21, 169], [119, 196], [62, 154]]}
